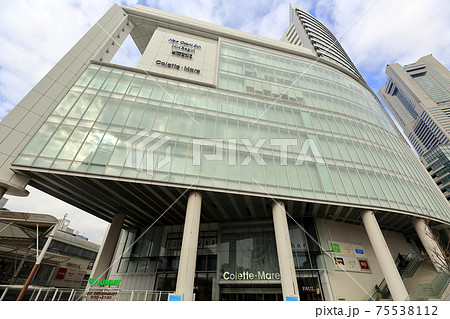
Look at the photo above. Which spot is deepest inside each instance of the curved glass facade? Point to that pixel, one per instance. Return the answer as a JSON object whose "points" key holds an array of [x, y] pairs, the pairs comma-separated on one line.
{"points": [[366, 161]]}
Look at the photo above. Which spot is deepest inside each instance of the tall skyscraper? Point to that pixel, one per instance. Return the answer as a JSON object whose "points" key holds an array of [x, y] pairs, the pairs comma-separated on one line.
{"points": [[437, 163], [308, 32], [230, 166], [418, 96]]}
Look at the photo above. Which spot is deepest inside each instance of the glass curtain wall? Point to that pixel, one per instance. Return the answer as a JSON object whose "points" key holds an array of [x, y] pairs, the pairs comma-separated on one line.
{"points": [[308, 258], [156, 252], [248, 253], [261, 96]]}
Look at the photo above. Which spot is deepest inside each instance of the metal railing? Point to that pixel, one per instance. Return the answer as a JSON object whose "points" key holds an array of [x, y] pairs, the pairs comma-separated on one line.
{"points": [[10, 293], [111, 294], [406, 269], [431, 290], [413, 262], [379, 292]]}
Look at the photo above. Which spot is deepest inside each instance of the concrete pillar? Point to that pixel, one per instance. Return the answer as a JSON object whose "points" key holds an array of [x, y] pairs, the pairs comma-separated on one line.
{"points": [[106, 253], [285, 259], [429, 243], [447, 233], [384, 257], [188, 255], [2, 191]]}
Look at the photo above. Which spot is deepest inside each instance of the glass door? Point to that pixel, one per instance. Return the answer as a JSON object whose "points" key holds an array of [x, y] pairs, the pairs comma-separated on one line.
{"points": [[309, 286], [250, 293]]}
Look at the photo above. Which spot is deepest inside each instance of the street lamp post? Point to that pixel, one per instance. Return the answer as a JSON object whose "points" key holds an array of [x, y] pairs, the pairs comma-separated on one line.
{"points": [[38, 260]]}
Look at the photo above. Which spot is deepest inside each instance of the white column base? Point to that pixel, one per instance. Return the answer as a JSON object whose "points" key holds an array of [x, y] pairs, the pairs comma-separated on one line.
{"points": [[106, 252], [384, 257], [289, 285], [188, 255]]}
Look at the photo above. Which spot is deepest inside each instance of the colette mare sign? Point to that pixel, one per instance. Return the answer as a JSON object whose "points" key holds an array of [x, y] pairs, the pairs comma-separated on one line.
{"points": [[246, 275]]}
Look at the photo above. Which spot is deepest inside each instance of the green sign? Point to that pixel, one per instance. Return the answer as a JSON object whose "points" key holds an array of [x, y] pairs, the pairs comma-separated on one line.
{"points": [[103, 282], [335, 248]]}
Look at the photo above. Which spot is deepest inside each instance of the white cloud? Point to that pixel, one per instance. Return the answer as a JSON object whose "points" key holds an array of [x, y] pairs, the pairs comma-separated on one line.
{"points": [[35, 35], [5, 107], [273, 24], [398, 31], [128, 54]]}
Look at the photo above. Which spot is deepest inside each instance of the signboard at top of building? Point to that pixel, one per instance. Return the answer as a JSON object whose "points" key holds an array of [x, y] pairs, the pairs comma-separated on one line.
{"points": [[181, 56], [184, 43], [183, 49]]}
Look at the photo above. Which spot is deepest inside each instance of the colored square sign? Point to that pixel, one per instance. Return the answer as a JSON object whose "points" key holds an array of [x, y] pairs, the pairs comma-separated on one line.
{"points": [[339, 261], [335, 248], [364, 264], [291, 298], [174, 297]]}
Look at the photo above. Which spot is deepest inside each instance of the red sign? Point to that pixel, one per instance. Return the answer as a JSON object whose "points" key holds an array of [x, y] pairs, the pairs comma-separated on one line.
{"points": [[364, 264], [61, 273]]}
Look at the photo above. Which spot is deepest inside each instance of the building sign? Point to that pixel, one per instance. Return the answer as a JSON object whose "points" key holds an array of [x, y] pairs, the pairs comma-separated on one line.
{"points": [[246, 275], [177, 66], [183, 49], [339, 261], [174, 297], [61, 273], [101, 295], [359, 250], [349, 256], [308, 289], [70, 276], [352, 263], [182, 56], [187, 49], [103, 282], [183, 44], [347, 249], [80, 276], [364, 264], [298, 240], [335, 247]]}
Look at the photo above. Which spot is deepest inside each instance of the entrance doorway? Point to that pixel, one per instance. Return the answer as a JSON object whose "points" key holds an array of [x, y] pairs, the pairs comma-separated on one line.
{"points": [[250, 293], [309, 286]]}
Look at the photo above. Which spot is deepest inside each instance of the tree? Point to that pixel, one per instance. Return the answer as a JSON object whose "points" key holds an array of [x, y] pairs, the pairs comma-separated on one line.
{"points": [[442, 248]]}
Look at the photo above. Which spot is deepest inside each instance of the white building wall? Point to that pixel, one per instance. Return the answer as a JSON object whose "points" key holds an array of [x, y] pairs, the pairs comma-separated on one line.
{"points": [[355, 285], [23, 121]]}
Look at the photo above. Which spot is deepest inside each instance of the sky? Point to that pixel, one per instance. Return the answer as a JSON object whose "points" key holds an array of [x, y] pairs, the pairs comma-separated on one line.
{"points": [[34, 35]]}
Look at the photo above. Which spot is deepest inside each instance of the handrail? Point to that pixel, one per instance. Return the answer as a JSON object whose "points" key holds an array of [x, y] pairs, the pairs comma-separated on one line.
{"points": [[381, 293], [69, 294], [412, 263], [432, 290]]}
